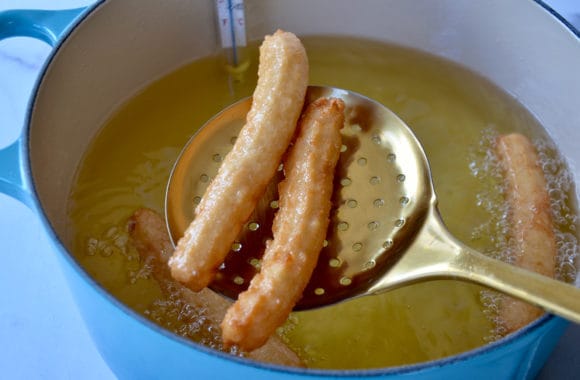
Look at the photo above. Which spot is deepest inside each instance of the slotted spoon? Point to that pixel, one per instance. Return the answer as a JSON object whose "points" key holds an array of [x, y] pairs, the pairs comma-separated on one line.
{"points": [[385, 230]]}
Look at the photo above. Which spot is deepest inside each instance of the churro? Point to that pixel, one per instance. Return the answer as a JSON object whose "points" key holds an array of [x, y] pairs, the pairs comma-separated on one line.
{"points": [[299, 229], [232, 195], [149, 235], [530, 220]]}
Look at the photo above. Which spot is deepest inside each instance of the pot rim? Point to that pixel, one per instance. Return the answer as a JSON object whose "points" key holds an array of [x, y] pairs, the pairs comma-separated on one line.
{"points": [[543, 321]]}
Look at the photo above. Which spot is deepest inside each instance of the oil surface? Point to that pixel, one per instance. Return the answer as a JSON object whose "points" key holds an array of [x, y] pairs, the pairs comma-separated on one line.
{"points": [[454, 113]]}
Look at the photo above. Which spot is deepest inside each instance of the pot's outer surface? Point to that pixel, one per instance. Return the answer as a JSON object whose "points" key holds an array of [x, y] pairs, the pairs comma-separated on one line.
{"points": [[120, 46]]}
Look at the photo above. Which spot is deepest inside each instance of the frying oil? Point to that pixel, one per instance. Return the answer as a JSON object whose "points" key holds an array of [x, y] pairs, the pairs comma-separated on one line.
{"points": [[456, 116]]}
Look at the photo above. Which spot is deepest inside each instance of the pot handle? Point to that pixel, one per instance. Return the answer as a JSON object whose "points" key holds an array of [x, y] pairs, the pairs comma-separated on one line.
{"points": [[48, 26], [13, 179]]}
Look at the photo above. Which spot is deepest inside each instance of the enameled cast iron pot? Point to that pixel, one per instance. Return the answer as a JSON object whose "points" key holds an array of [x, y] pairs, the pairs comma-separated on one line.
{"points": [[105, 54]]}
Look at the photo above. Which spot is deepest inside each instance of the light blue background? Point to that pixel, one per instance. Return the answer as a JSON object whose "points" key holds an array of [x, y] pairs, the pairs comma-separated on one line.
{"points": [[41, 333]]}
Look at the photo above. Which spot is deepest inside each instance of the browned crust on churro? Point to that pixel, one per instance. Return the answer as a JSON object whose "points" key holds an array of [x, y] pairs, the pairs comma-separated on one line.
{"points": [[232, 196], [149, 235], [299, 229], [530, 222]]}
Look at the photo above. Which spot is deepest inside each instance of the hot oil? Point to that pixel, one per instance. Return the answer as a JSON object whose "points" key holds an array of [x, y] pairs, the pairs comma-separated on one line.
{"points": [[455, 115]]}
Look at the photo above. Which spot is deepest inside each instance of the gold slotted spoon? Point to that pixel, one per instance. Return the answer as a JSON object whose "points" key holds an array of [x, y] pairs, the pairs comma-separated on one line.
{"points": [[385, 229]]}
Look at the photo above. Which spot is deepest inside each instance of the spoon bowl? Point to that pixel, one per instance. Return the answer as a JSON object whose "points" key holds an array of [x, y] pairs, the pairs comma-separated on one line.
{"points": [[385, 230]]}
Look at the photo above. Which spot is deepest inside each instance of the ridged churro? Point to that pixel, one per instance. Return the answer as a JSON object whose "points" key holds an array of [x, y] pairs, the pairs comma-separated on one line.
{"points": [[149, 235], [530, 220], [242, 178], [299, 229]]}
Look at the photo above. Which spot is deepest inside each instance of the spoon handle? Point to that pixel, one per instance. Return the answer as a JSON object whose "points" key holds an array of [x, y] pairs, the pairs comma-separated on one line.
{"points": [[554, 296], [437, 254]]}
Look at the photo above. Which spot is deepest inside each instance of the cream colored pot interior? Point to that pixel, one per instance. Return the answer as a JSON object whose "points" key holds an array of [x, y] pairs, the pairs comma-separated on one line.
{"points": [[126, 44]]}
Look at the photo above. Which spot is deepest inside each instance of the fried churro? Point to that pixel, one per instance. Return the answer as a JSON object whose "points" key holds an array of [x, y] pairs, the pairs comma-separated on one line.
{"points": [[532, 236], [299, 229], [242, 178], [149, 235]]}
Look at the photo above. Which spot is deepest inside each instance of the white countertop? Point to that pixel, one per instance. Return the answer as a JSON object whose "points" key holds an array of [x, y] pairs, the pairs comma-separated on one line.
{"points": [[41, 333]]}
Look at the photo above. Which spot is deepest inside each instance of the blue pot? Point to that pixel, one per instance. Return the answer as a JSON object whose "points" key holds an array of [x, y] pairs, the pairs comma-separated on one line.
{"points": [[103, 54]]}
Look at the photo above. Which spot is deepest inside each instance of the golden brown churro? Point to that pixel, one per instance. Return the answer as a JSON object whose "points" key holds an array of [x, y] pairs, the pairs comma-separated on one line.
{"points": [[299, 229], [532, 236], [149, 235], [242, 178]]}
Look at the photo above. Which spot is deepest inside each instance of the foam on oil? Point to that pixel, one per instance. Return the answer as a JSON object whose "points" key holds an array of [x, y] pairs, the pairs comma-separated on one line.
{"points": [[454, 113]]}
